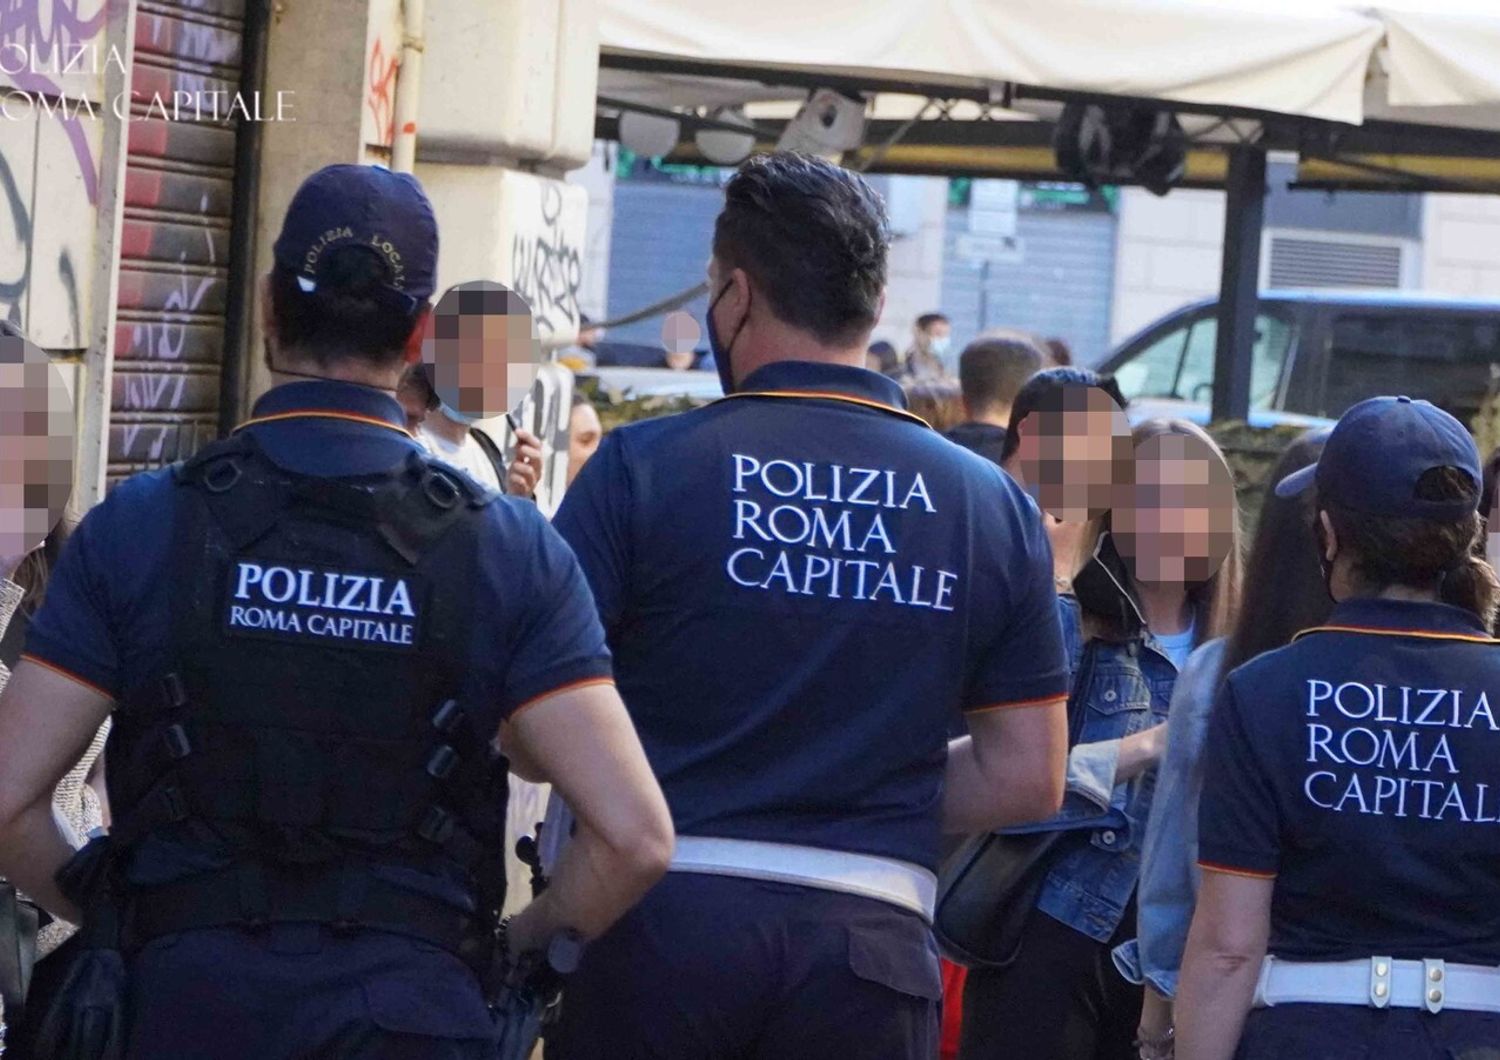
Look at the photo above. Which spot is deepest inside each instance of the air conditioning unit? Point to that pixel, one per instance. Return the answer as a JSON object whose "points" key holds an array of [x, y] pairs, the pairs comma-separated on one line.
{"points": [[1295, 258]]}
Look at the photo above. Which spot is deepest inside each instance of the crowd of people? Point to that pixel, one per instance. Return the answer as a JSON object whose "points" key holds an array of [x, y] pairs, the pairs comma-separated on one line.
{"points": [[792, 660]]}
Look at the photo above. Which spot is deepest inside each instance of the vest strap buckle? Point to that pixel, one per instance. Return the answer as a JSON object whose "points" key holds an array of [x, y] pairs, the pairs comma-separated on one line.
{"points": [[441, 490], [222, 475], [448, 717], [173, 691], [440, 765], [436, 826], [177, 742]]}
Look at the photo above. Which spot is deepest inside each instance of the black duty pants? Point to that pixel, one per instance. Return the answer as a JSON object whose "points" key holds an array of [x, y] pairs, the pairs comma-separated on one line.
{"points": [[1062, 999], [720, 968], [1351, 1032]]}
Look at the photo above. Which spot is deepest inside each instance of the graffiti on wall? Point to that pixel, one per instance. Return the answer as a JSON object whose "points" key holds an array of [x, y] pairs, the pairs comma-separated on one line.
{"points": [[49, 178], [547, 263], [380, 92], [39, 40]]}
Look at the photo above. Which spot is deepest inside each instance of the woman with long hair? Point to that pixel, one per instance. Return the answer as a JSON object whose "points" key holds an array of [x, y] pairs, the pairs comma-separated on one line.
{"points": [[1283, 594], [1349, 897], [1161, 575]]}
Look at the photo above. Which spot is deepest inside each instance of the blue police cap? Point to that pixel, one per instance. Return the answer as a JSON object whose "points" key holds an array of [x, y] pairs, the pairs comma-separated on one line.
{"points": [[1377, 452], [369, 206]]}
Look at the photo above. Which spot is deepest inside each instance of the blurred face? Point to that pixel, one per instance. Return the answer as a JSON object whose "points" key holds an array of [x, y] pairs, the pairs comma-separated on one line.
{"points": [[936, 337], [36, 448], [1067, 543], [1492, 533], [1071, 461], [584, 433], [1175, 524], [482, 349]]}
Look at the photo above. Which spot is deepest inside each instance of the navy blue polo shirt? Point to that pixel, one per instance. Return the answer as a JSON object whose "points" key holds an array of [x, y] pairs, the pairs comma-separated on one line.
{"points": [[1360, 767], [106, 620], [802, 585]]}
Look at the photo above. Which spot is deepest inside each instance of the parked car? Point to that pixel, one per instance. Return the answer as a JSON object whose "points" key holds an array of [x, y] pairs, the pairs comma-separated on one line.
{"points": [[1318, 352]]}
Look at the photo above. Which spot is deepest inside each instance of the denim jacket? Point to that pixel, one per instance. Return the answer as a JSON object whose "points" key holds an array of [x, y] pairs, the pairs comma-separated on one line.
{"points": [[1169, 865], [1120, 687]]}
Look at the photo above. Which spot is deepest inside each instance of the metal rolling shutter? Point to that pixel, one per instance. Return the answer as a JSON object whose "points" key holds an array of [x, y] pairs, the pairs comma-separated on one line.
{"points": [[1062, 283], [169, 332], [659, 242]]}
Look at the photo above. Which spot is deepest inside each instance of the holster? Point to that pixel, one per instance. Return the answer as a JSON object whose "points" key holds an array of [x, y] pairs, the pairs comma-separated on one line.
{"points": [[76, 1008], [18, 928]]}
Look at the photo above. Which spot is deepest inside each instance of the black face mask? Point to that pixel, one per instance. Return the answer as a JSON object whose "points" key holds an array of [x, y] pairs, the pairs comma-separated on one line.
{"points": [[1324, 564], [1104, 586], [721, 353]]}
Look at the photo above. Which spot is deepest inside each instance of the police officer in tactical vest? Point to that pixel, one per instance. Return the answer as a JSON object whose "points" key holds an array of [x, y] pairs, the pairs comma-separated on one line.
{"points": [[310, 635]]}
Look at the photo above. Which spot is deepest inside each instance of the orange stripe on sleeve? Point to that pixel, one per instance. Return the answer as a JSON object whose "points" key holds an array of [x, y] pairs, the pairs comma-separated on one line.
{"points": [[1040, 701], [69, 674], [559, 690], [1250, 874]]}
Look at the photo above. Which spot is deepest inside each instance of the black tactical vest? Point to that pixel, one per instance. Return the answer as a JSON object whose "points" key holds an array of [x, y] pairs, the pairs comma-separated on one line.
{"points": [[311, 720]]}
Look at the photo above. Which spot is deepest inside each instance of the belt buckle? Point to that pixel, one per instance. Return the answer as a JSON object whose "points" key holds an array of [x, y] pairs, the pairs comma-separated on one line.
{"points": [[1380, 981], [1434, 984]]}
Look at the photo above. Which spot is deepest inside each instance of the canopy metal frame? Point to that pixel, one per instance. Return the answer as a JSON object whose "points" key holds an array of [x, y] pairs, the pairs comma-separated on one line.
{"points": [[1354, 157]]}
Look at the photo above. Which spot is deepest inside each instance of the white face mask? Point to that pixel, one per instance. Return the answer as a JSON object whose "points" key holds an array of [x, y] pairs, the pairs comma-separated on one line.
{"points": [[939, 344]]}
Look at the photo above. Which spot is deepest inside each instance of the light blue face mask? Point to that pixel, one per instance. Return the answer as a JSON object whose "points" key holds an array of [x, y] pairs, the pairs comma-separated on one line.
{"points": [[940, 345], [456, 416]]}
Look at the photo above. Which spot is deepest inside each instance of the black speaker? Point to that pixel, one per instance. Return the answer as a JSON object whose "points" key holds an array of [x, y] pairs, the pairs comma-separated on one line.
{"points": [[1121, 144]]}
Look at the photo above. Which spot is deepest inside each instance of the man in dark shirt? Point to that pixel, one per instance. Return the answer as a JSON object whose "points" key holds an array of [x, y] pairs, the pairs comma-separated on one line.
{"points": [[803, 585], [991, 371]]}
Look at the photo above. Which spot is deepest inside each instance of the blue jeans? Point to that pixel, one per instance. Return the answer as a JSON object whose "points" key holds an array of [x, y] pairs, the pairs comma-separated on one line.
{"points": [[1353, 1032], [711, 967]]}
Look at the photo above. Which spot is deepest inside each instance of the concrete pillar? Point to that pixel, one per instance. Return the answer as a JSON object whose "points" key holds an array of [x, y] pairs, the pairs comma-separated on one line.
{"points": [[326, 70], [506, 108]]}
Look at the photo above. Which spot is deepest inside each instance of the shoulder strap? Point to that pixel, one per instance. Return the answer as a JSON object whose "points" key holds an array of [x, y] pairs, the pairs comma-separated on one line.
{"points": [[240, 485], [491, 450]]}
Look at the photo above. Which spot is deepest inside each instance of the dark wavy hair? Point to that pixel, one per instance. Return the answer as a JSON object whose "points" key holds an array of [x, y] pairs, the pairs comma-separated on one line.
{"points": [[812, 236], [355, 313], [1283, 584], [1424, 553]]}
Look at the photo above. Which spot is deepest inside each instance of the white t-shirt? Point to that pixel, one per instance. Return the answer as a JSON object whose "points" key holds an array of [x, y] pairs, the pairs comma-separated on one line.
{"points": [[468, 456]]}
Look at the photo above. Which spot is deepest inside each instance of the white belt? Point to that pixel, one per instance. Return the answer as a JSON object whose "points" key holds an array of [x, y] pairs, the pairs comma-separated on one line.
{"points": [[1379, 982], [885, 879]]}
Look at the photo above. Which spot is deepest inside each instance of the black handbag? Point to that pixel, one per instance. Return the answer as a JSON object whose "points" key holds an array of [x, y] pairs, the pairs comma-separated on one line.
{"points": [[18, 927], [986, 891], [988, 887]]}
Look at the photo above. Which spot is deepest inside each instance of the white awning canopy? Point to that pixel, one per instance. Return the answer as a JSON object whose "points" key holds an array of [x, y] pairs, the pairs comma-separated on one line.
{"points": [[1425, 61]]}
